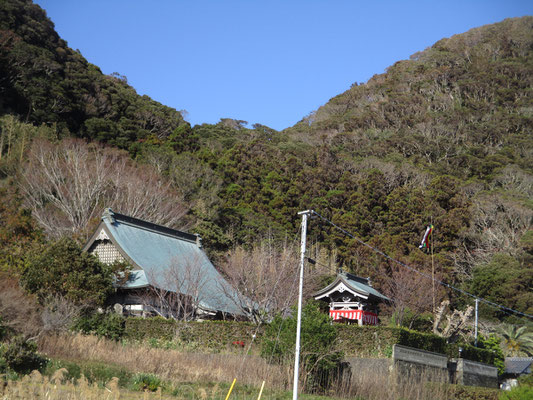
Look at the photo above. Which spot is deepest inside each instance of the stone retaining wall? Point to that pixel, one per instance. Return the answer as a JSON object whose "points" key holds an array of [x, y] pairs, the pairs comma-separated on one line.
{"points": [[419, 365], [408, 364], [471, 373]]}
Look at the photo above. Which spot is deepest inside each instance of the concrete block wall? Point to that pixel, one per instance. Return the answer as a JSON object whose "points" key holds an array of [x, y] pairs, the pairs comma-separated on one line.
{"points": [[408, 364], [471, 373]]}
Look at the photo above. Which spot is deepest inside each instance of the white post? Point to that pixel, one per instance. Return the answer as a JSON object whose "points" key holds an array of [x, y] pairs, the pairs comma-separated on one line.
{"points": [[304, 215], [475, 328]]}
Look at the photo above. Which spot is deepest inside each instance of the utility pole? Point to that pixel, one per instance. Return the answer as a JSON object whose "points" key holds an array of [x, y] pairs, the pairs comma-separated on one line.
{"points": [[475, 327], [432, 267], [304, 215]]}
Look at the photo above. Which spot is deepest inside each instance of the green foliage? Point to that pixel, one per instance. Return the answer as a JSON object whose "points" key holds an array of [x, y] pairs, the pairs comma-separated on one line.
{"points": [[3, 330], [423, 341], [526, 380], [527, 241], [505, 280], [518, 393], [319, 358], [420, 323], [492, 344], [145, 382], [517, 340], [353, 340], [62, 269], [20, 355], [109, 325], [426, 139], [214, 335], [42, 72], [376, 341], [469, 352], [94, 372], [18, 231], [460, 392]]}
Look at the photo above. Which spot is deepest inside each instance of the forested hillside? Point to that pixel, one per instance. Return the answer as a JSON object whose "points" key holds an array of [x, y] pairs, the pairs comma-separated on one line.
{"points": [[442, 138]]}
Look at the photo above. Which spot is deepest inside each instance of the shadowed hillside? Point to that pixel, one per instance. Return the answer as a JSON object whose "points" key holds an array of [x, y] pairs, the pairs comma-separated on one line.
{"points": [[444, 138]]}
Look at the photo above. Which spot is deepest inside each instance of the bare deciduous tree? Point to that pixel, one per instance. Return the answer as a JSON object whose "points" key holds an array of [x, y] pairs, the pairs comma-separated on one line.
{"points": [[58, 314], [68, 184], [178, 291], [265, 278], [19, 311], [409, 291]]}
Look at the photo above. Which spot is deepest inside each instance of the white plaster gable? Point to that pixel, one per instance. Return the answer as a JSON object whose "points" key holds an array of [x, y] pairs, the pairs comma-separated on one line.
{"points": [[102, 236]]}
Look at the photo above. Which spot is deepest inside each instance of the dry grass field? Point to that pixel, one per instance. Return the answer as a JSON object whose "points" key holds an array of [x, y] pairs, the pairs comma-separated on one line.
{"points": [[194, 375], [169, 365]]}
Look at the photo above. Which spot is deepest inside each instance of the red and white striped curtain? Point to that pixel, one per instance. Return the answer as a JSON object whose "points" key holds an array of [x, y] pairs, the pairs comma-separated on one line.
{"points": [[369, 318]]}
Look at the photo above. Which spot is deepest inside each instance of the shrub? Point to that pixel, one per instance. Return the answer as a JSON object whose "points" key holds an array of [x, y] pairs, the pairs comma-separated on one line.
{"points": [[460, 392], [146, 382], [94, 372], [318, 359], [376, 341], [63, 269], [100, 372], [109, 325], [492, 344], [423, 341], [3, 330], [518, 393], [214, 335], [526, 380], [21, 356]]}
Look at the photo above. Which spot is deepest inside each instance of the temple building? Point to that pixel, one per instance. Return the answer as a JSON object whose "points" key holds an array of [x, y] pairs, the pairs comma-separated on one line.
{"points": [[170, 275], [352, 299]]}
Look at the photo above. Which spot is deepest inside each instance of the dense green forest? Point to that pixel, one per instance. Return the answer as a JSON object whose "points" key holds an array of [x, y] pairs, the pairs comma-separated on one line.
{"points": [[442, 138]]}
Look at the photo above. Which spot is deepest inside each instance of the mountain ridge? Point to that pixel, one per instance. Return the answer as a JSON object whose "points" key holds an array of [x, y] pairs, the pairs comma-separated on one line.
{"points": [[443, 137]]}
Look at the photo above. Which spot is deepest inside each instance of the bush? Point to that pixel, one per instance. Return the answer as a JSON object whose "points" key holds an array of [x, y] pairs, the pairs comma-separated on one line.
{"points": [[94, 372], [526, 380], [3, 330], [460, 392], [518, 393], [470, 353], [21, 356], [63, 269], [146, 382], [423, 341], [492, 344], [376, 341], [318, 359], [214, 335], [109, 325]]}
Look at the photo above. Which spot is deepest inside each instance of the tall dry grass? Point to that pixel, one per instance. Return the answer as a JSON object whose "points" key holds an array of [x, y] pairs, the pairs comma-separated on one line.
{"points": [[373, 384], [35, 386], [367, 381], [171, 365]]}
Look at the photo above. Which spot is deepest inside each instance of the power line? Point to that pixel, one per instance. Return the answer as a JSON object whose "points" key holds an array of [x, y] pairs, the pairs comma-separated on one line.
{"points": [[488, 302]]}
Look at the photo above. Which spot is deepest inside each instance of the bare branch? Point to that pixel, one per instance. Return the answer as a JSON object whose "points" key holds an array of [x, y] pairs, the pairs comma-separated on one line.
{"points": [[68, 184]]}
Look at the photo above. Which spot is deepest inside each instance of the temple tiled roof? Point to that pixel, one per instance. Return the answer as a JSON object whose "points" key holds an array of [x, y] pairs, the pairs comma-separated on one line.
{"points": [[356, 284], [518, 365], [168, 259]]}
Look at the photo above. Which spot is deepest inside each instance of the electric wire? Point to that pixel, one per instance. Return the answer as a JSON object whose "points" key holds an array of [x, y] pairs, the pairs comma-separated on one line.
{"points": [[503, 308]]}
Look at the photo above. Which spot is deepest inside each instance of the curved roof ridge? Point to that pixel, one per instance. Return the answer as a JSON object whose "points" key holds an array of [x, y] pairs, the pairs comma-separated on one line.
{"points": [[113, 216]]}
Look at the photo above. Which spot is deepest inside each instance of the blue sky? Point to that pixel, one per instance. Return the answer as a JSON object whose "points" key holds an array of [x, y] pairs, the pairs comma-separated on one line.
{"points": [[269, 62]]}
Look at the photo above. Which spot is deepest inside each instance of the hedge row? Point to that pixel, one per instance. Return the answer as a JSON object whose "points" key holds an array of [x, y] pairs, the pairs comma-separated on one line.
{"points": [[377, 341], [470, 353], [353, 340], [212, 334]]}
